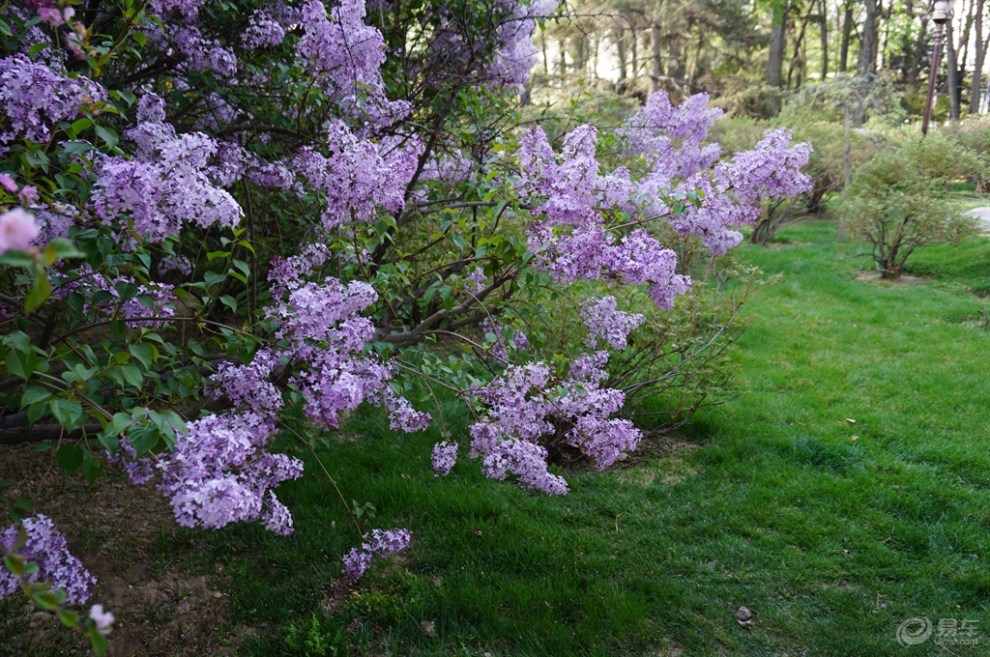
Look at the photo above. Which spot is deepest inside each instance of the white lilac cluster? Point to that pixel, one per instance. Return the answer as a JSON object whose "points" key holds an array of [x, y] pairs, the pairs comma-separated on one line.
{"points": [[376, 543]]}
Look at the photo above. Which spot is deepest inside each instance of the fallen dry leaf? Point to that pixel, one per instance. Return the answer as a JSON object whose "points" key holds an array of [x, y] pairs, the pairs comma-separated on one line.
{"points": [[745, 618]]}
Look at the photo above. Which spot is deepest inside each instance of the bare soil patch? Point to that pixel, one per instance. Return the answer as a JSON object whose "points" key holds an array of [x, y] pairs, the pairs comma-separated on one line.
{"points": [[905, 279], [118, 531]]}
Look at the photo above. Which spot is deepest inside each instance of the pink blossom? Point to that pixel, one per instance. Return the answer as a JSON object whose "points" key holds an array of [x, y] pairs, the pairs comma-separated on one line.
{"points": [[17, 230]]}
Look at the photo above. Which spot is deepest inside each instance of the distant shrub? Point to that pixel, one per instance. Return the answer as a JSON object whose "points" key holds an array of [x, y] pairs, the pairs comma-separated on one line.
{"points": [[898, 201]]}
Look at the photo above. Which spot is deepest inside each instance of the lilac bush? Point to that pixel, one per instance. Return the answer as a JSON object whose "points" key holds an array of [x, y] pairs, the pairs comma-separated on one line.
{"points": [[220, 222]]}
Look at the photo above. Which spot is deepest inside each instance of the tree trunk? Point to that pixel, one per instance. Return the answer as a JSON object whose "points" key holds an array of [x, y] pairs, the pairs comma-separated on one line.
{"points": [[847, 26], [918, 60], [778, 44], [976, 87], [562, 62], [620, 46], [953, 68], [656, 70], [823, 35], [798, 60], [867, 64]]}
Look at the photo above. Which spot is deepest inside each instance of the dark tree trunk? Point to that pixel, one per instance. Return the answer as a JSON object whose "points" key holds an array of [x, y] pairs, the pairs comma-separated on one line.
{"points": [[778, 44], [953, 69], [847, 26], [620, 47], [867, 64], [823, 35], [976, 87]]}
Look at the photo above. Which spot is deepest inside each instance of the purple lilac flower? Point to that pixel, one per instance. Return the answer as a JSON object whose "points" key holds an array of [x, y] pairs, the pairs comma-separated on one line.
{"points": [[47, 547], [444, 458], [35, 98], [104, 619], [607, 324], [376, 543]]}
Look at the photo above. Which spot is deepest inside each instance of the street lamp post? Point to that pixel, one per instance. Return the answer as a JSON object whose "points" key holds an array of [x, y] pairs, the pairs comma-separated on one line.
{"points": [[941, 11]]}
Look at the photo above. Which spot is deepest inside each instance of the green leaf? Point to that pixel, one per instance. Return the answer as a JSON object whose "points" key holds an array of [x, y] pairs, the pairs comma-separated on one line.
{"points": [[63, 248], [229, 301], [132, 375], [91, 467], [108, 135], [98, 643], [212, 278], [15, 258], [143, 439], [78, 126], [41, 290], [21, 364], [68, 413], [146, 354], [70, 457], [15, 563], [68, 617], [47, 600], [34, 395]]}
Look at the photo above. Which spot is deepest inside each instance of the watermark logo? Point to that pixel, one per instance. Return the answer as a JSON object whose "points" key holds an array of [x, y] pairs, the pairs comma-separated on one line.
{"points": [[946, 632], [914, 631]]}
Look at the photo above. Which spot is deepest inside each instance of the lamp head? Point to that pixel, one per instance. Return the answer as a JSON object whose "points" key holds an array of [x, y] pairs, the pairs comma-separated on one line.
{"points": [[941, 10]]}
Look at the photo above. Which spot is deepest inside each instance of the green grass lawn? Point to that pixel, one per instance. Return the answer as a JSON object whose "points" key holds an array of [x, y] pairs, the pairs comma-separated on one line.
{"points": [[844, 489]]}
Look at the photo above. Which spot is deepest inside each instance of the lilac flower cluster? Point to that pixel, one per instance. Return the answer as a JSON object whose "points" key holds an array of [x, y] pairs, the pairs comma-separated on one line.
{"points": [[515, 55], [34, 98], [444, 458], [220, 473], [54, 220], [359, 175], [263, 31], [500, 347], [607, 324], [47, 547], [188, 10], [672, 140], [531, 405], [202, 53], [345, 55], [376, 543], [166, 185], [151, 300]]}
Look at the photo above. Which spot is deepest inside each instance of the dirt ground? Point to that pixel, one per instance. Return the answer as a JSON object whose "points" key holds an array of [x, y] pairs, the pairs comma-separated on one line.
{"points": [[160, 610]]}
